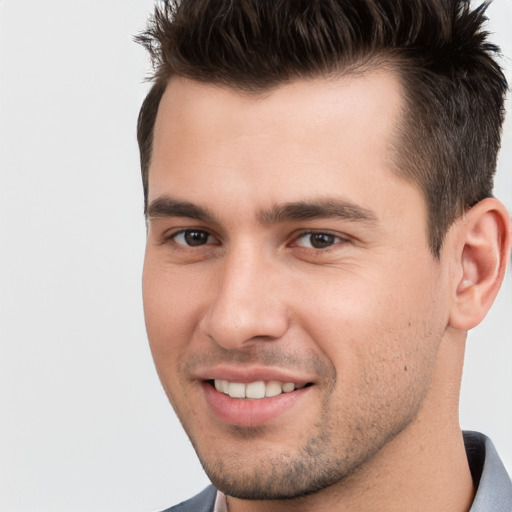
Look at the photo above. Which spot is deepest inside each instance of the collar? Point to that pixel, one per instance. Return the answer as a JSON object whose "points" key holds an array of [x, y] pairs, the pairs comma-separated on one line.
{"points": [[492, 483], [221, 504]]}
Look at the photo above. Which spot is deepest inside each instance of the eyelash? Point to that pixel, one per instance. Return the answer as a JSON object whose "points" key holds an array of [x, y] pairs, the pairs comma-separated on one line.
{"points": [[184, 232], [336, 239]]}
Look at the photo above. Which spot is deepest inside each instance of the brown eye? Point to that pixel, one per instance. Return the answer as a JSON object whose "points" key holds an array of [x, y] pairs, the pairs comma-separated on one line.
{"points": [[192, 237], [321, 240], [318, 240]]}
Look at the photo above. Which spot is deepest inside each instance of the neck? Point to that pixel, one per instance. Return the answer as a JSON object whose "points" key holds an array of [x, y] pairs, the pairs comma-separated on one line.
{"points": [[423, 468]]}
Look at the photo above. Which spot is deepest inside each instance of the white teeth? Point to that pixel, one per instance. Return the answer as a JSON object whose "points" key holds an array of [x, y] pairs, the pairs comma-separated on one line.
{"points": [[288, 386], [236, 390], [273, 388], [254, 390], [222, 386]]}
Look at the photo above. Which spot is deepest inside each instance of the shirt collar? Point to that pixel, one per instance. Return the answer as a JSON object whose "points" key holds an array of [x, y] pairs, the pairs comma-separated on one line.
{"points": [[492, 483], [221, 504]]}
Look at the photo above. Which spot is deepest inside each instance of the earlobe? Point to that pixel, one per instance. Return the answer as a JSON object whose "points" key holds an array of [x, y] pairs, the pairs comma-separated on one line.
{"points": [[483, 256]]}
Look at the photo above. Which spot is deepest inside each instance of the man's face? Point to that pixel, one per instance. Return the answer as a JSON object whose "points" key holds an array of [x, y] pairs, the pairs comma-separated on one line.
{"points": [[286, 261]]}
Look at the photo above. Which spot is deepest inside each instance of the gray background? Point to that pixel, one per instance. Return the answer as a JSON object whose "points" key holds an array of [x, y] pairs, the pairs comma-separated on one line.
{"points": [[84, 425]]}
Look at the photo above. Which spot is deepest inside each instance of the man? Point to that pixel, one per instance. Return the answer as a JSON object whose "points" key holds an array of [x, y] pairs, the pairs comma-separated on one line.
{"points": [[321, 236]]}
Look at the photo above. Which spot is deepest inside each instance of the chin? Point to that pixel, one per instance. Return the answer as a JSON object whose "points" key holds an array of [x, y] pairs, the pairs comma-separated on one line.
{"points": [[281, 477]]}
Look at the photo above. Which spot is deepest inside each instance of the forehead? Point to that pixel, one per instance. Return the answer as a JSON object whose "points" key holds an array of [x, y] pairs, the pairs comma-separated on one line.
{"points": [[308, 137], [368, 102]]}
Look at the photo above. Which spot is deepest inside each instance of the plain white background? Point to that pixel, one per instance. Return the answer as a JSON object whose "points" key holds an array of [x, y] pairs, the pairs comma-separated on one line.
{"points": [[84, 424]]}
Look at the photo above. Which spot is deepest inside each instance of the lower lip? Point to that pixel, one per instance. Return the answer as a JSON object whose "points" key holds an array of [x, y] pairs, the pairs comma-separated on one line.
{"points": [[250, 413]]}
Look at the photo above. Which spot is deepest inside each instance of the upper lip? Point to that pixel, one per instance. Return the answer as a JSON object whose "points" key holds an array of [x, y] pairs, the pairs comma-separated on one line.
{"points": [[246, 375]]}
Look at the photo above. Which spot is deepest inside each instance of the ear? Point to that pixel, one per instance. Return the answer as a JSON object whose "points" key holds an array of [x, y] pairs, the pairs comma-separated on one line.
{"points": [[484, 251]]}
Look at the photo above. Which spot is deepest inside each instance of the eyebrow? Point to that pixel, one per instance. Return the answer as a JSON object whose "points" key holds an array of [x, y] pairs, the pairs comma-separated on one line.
{"points": [[166, 206], [318, 209]]}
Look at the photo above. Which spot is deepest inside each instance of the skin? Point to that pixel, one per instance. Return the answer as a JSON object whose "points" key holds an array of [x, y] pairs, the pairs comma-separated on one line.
{"points": [[370, 319]]}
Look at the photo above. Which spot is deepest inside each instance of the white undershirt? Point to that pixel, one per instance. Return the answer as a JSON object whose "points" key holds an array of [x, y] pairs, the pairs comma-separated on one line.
{"points": [[221, 504]]}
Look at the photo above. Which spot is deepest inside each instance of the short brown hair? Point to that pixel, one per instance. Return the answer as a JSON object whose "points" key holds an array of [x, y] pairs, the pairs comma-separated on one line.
{"points": [[454, 88]]}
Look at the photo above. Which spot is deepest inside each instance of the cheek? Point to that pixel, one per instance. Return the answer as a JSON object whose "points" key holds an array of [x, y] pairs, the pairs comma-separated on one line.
{"points": [[167, 310], [373, 328]]}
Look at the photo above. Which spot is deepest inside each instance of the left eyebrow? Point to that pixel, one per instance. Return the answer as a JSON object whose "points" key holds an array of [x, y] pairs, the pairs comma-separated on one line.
{"points": [[318, 209]]}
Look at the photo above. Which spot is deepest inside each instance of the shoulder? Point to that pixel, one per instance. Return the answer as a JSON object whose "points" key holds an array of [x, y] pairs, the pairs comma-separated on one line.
{"points": [[202, 502]]}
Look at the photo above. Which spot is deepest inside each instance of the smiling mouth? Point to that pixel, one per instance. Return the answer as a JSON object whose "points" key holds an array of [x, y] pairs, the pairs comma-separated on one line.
{"points": [[255, 390]]}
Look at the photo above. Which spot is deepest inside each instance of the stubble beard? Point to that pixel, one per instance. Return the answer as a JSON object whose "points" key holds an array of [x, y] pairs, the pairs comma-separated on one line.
{"points": [[319, 464], [338, 445]]}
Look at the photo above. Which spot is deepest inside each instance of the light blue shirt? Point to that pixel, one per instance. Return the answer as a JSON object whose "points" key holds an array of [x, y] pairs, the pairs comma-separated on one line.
{"points": [[494, 488]]}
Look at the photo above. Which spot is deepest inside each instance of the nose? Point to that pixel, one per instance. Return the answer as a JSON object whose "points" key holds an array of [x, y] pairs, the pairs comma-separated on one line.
{"points": [[246, 307]]}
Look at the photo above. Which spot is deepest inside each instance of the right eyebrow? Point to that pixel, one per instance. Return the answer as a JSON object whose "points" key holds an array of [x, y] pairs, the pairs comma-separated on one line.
{"points": [[165, 206], [323, 208]]}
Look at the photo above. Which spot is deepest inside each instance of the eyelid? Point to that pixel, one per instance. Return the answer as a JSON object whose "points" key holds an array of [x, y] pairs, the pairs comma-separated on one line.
{"points": [[341, 239], [171, 235]]}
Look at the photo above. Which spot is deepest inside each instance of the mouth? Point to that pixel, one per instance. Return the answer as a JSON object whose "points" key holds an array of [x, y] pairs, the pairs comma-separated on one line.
{"points": [[255, 390], [254, 403]]}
